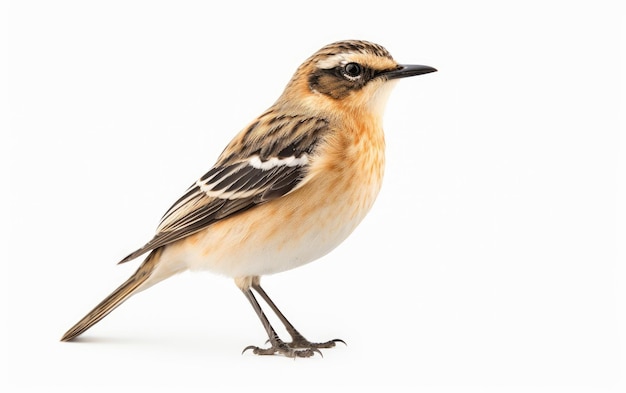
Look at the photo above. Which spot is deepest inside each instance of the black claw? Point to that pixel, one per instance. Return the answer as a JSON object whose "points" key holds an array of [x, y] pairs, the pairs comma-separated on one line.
{"points": [[247, 348], [338, 340]]}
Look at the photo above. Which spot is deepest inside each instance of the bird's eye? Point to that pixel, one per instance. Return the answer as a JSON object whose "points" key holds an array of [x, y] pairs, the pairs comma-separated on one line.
{"points": [[352, 71]]}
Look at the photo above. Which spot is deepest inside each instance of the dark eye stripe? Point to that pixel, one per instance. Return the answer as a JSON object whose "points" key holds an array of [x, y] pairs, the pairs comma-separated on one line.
{"points": [[334, 83]]}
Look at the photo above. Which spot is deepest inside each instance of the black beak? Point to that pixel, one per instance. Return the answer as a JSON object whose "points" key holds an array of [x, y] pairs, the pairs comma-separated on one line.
{"points": [[406, 70]]}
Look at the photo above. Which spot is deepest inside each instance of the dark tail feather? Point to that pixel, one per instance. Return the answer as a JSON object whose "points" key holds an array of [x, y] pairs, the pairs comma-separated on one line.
{"points": [[114, 299]]}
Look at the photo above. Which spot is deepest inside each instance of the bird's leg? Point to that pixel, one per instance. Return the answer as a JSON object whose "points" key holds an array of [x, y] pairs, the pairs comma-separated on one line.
{"points": [[277, 345], [297, 339]]}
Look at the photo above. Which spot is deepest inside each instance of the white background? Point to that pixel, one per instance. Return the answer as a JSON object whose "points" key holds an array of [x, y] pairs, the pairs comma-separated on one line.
{"points": [[493, 260]]}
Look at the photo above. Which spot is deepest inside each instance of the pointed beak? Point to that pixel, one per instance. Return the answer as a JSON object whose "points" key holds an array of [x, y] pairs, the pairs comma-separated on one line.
{"points": [[406, 70]]}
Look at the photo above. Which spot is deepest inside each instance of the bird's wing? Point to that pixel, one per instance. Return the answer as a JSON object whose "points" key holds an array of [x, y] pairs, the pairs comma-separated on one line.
{"points": [[266, 161]]}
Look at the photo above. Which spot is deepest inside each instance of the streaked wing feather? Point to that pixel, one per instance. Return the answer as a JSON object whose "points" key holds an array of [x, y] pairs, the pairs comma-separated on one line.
{"points": [[282, 186], [250, 171]]}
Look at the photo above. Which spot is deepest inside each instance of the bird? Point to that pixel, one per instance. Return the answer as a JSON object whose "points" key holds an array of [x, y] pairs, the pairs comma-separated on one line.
{"points": [[289, 188]]}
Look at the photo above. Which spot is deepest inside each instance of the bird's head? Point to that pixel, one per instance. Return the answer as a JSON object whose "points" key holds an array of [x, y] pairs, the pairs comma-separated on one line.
{"points": [[350, 75]]}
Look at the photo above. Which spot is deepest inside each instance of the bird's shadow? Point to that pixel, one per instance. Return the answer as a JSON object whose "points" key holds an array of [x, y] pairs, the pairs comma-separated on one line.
{"points": [[185, 343], [104, 340]]}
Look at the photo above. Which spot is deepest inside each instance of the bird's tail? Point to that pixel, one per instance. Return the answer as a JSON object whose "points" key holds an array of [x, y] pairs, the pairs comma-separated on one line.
{"points": [[114, 299]]}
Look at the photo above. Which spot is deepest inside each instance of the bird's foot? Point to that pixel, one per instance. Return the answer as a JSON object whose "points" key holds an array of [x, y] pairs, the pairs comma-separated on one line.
{"points": [[279, 347], [299, 347]]}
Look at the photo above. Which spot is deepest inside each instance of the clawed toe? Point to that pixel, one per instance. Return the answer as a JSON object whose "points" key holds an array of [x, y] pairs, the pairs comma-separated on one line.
{"points": [[303, 343], [283, 349]]}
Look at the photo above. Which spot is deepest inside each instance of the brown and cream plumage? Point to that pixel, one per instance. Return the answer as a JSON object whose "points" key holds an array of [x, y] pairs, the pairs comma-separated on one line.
{"points": [[286, 190]]}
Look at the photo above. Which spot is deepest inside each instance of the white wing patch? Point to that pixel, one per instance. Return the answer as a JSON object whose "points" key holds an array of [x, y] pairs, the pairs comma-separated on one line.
{"points": [[223, 185], [273, 162]]}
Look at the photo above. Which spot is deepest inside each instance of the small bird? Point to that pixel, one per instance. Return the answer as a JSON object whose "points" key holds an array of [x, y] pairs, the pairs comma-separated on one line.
{"points": [[289, 188]]}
